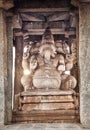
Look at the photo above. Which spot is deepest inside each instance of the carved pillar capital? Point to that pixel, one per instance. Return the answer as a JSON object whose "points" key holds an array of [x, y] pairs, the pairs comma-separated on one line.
{"points": [[6, 5], [75, 3]]}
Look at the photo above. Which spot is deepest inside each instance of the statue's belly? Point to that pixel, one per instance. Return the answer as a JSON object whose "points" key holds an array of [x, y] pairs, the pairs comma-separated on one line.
{"points": [[46, 79]]}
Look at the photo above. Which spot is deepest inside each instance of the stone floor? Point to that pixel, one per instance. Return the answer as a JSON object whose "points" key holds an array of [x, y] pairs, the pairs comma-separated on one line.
{"points": [[44, 126]]}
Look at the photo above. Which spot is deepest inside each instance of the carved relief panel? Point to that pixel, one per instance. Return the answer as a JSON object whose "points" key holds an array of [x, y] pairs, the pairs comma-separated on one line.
{"points": [[47, 63], [49, 71]]}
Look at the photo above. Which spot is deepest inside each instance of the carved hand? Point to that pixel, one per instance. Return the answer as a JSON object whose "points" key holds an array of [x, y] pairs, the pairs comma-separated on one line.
{"points": [[26, 55]]}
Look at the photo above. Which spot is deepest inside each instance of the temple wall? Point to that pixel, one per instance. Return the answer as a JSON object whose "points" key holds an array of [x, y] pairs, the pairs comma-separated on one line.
{"points": [[8, 89], [84, 62], [2, 85], [6, 42]]}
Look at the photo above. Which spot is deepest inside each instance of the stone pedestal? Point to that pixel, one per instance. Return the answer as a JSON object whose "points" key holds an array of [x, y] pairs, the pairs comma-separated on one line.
{"points": [[47, 106]]}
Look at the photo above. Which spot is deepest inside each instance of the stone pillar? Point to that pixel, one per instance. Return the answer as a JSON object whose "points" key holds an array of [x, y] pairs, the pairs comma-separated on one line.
{"points": [[2, 98], [5, 65], [5, 70], [18, 64], [84, 62], [9, 63]]}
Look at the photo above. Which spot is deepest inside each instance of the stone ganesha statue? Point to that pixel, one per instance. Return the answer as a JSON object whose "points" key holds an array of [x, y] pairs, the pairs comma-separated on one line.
{"points": [[45, 68]]}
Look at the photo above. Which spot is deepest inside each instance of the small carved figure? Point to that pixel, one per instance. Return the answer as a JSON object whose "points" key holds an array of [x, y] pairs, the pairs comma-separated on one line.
{"points": [[29, 65], [68, 82]]}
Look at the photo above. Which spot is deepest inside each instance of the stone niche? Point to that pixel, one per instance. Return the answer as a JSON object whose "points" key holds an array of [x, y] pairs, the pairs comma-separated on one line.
{"points": [[44, 90], [46, 71]]}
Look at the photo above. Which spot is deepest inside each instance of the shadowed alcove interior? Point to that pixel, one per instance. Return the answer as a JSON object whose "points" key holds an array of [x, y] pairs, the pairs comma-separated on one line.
{"points": [[45, 42]]}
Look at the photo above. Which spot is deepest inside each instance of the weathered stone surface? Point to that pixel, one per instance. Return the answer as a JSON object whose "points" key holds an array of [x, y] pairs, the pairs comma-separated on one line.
{"points": [[1, 67], [5, 70], [18, 64], [43, 126], [9, 87], [84, 63]]}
